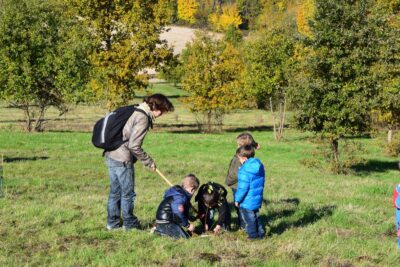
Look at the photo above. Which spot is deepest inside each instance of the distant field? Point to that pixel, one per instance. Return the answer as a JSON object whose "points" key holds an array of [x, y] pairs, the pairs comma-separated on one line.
{"points": [[56, 187]]}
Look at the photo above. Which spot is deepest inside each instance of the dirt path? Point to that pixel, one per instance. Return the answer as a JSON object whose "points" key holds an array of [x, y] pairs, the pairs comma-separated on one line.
{"points": [[177, 37]]}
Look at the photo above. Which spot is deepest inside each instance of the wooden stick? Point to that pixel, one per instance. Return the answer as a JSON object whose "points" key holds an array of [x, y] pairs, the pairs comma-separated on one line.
{"points": [[165, 179]]}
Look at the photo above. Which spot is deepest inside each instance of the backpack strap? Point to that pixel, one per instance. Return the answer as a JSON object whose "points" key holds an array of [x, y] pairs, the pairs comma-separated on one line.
{"points": [[148, 117], [150, 125]]}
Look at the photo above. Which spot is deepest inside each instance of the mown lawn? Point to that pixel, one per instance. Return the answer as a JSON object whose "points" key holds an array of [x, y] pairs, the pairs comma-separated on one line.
{"points": [[56, 186]]}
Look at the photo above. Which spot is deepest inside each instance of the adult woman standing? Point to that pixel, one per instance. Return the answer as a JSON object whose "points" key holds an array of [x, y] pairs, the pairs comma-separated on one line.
{"points": [[120, 162]]}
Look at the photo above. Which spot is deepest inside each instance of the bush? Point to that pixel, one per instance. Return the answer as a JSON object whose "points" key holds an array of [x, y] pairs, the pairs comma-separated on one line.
{"points": [[393, 148], [350, 156]]}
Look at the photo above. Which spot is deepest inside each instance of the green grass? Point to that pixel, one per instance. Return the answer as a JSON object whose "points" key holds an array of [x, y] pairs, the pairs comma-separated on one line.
{"points": [[56, 188]]}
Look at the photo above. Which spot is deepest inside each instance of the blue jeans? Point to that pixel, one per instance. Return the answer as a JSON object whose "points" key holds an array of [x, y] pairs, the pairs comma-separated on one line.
{"points": [[171, 229], [240, 220], [252, 224], [122, 195], [398, 227]]}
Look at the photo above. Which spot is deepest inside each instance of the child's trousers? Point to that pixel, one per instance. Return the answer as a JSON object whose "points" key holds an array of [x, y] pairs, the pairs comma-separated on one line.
{"points": [[171, 229], [252, 224], [398, 227]]}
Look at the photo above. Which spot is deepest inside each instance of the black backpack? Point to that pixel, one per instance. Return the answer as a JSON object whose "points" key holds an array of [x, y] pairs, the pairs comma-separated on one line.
{"points": [[107, 132]]}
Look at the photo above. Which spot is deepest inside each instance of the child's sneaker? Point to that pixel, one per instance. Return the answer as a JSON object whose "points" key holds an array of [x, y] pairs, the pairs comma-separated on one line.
{"points": [[111, 228]]}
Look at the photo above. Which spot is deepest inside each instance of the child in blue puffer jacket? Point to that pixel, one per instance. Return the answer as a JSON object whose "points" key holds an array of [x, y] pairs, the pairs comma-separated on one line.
{"points": [[249, 194], [396, 204]]}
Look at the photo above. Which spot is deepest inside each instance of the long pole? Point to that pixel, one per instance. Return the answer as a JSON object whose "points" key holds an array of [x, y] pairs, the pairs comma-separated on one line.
{"points": [[165, 179], [170, 184]]}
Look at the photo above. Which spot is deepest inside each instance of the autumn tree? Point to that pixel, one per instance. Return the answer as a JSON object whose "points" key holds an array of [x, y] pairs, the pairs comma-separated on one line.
{"points": [[222, 18], [187, 10], [126, 36], [340, 86], [43, 58], [212, 75], [304, 14]]}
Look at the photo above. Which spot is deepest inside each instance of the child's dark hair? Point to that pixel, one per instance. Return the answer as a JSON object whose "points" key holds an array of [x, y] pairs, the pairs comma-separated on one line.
{"points": [[246, 151], [159, 102], [244, 139], [210, 196]]}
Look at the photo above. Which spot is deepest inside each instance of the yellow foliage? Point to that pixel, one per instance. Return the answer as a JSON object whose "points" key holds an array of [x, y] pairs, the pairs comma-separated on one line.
{"points": [[213, 76], [229, 16], [281, 5], [305, 12], [391, 4], [187, 10]]}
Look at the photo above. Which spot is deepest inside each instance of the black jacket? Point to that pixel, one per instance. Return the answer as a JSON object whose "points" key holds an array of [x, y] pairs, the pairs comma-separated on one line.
{"points": [[175, 206]]}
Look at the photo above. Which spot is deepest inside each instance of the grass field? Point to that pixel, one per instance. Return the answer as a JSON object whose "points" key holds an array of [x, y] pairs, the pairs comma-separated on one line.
{"points": [[56, 187]]}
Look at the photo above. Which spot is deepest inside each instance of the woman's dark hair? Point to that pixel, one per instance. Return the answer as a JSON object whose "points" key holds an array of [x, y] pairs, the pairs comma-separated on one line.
{"points": [[159, 102]]}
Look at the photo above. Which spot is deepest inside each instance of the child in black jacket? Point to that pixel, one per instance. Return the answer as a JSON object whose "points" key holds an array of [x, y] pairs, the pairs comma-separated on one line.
{"points": [[173, 212], [211, 197]]}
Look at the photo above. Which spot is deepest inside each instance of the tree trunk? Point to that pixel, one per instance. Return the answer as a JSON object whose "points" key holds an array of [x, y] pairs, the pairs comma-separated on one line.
{"points": [[219, 119], [209, 115], [28, 118], [282, 114], [390, 135], [273, 117], [335, 149], [40, 119]]}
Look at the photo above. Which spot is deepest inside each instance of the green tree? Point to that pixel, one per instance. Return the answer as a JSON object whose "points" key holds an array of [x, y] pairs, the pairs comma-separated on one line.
{"points": [[233, 35], [268, 58], [387, 70], [126, 36], [249, 11], [212, 75], [43, 58], [338, 86]]}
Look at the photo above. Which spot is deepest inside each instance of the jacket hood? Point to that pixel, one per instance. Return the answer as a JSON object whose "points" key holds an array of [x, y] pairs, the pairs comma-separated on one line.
{"points": [[143, 106], [253, 165], [176, 190]]}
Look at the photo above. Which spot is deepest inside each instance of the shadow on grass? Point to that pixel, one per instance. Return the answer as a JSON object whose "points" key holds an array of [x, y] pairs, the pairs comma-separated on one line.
{"points": [[375, 166], [250, 129], [177, 128], [194, 128], [309, 216], [9, 160], [291, 205], [294, 201], [12, 121], [290, 208], [169, 96]]}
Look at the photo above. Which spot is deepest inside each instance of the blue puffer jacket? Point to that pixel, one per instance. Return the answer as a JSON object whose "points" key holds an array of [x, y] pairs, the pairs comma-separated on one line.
{"points": [[251, 178]]}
